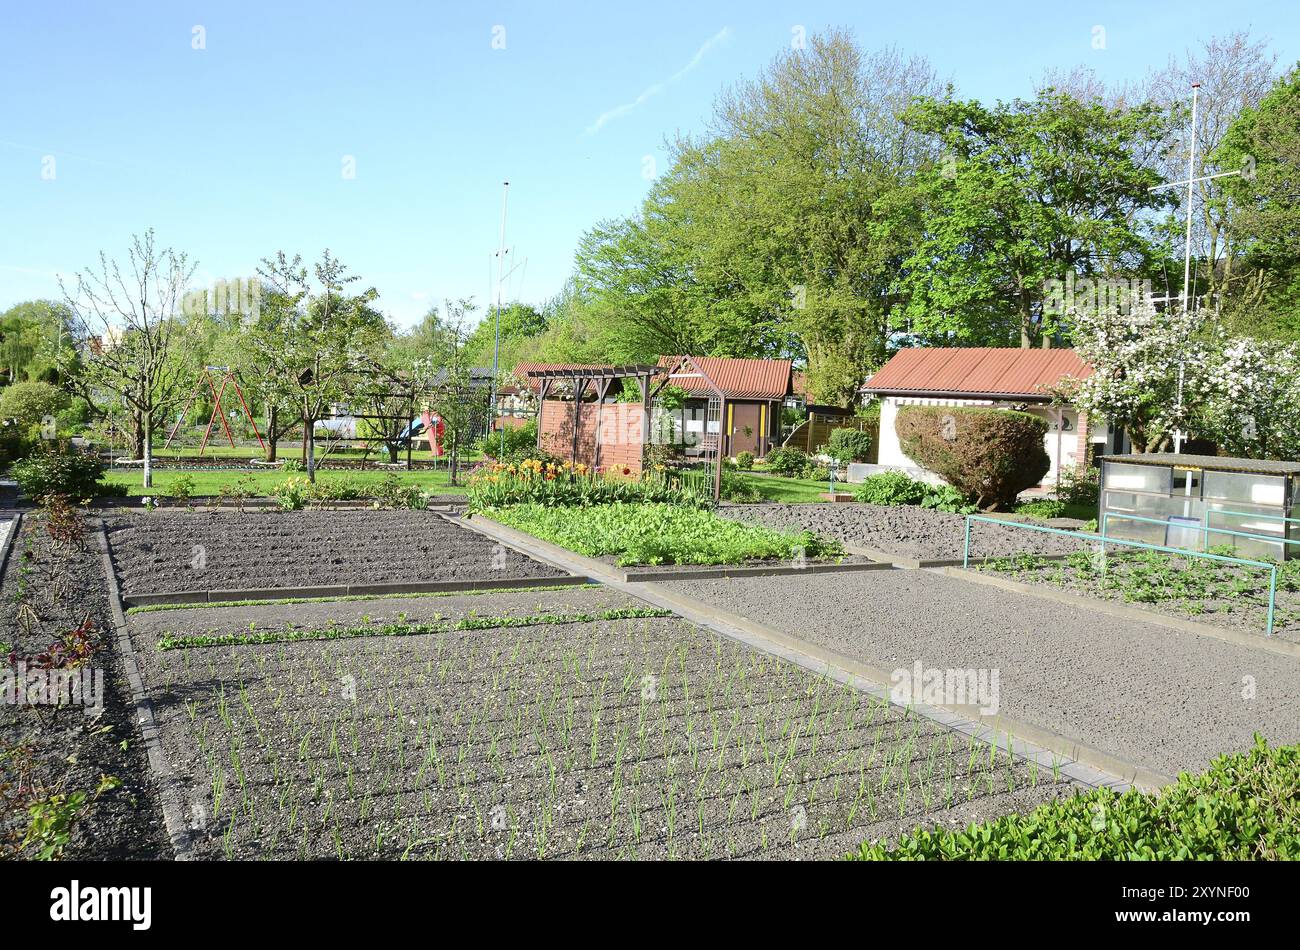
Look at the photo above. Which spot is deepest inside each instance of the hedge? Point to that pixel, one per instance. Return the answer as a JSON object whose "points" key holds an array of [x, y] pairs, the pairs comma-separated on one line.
{"points": [[1243, 808], [989, 455]]}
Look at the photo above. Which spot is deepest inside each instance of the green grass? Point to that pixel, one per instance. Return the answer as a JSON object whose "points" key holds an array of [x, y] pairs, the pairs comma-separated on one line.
{"points": [[789, 490], [660, 534], [122, 484], [1043, 509], [185, 641]]}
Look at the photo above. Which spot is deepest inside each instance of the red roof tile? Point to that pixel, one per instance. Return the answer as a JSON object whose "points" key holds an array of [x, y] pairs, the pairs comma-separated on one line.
{"points": [[736, 378], [971, 371]]}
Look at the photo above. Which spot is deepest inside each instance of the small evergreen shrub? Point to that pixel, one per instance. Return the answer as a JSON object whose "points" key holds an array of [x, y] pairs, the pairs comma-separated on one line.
{"points": [[745, 461], [849, 445], [788, 461]]}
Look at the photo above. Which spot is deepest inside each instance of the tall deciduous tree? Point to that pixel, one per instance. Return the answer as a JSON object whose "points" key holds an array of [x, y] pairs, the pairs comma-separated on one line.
{"points": [[1025, 193], [316, 336], [130, 345]]}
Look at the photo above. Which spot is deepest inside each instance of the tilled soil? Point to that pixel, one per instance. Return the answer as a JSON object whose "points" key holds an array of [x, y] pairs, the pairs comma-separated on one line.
{"points": [[903, 530], [168, 551], [46, 751], [149, 625], [1152, 695], [631, 739]]}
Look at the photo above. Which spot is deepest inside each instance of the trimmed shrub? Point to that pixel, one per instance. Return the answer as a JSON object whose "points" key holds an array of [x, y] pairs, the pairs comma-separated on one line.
{"points": [[849, 445], [988, 455], [56, 472], [1243, 808], [788, 461], [745, 461]]}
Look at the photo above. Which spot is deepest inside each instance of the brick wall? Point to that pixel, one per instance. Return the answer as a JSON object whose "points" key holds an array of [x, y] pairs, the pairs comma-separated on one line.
{"points": [[617, 425]]}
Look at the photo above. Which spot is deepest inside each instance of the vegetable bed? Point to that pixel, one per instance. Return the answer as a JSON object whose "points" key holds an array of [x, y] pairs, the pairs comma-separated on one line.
{"points": [[661, 534]]}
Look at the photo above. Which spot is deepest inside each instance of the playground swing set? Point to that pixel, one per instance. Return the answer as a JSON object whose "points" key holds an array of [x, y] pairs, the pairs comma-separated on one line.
{"points": [[207, 380]]}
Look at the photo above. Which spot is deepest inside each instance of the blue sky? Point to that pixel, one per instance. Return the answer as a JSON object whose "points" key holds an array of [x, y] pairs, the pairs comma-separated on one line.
{"points": [[238, 149]]}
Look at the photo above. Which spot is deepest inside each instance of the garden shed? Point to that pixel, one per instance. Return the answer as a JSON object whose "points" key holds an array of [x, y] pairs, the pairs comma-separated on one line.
{"points": [[737, 399], [1202, 501], [996, 377]]}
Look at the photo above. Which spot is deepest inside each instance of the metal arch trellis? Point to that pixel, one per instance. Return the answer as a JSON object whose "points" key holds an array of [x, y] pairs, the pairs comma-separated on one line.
{"points": [[710, 441]]}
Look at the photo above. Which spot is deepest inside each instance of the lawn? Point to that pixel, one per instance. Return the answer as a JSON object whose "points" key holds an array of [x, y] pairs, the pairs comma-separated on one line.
{"points": [[125, 484], [660, 534], [791, 490]]}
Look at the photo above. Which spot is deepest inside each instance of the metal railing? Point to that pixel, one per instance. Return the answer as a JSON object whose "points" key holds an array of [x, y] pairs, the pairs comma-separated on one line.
{"points": [[1141, 545]]}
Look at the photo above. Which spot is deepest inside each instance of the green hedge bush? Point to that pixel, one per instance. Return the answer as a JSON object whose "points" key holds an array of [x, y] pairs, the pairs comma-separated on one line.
{"points": [[54, 471], [1243, 808], [988, 455], [788, 461], [849, 445]]}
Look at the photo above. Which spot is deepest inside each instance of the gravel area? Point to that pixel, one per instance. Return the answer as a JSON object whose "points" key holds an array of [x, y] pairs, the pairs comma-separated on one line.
{"points": [[631, 739], [904, 530], [47, 593], [1163, 698], [167, 551]]}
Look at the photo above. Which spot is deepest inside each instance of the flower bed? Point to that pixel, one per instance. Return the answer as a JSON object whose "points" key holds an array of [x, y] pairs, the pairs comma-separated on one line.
{"points": [[654, 533]]}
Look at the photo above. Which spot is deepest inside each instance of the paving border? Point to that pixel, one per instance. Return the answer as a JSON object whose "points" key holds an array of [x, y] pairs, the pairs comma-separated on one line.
{"points": [[15, 526], [169, 784], [1083, 763], [211, 503], [1256, 641], [724, 571]]}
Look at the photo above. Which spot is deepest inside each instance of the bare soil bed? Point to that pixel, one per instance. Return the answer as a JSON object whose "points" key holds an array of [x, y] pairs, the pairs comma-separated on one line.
{"points": [[46, 751], [158, 551], [903, 530], [643, 738]]}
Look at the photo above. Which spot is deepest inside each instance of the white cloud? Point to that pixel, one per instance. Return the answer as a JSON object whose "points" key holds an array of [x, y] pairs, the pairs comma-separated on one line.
{"points": [[654, 89]]}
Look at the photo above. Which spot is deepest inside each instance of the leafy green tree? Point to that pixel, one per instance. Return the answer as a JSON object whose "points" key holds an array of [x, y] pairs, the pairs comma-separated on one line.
{"points": [[316, 337], [1025, 193], [1264, 142], [32, 336], [31, 403]]}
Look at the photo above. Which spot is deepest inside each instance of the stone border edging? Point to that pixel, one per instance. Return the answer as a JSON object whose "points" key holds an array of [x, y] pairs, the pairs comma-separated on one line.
{"points": [[710, 572], [1085, 764], [169, 795], [1256, 641], [343, 590], [212, 503], [15, 525]]}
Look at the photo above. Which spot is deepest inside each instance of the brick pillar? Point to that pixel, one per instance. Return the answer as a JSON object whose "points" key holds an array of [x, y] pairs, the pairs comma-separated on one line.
{"points": [[1081, 446]]}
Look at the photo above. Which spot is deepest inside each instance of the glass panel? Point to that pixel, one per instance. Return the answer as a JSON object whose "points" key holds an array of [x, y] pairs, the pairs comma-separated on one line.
{"points": [[1246, 488], [1148, 478], [1182, 477]]}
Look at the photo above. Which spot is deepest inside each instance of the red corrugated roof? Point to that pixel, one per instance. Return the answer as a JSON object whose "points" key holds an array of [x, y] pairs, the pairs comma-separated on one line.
{"points": [[736, 378], [985, 370]]}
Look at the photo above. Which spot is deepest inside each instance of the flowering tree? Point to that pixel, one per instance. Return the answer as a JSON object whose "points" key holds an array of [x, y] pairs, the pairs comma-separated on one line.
{"points": [[1249, 398], [1136, 358]]}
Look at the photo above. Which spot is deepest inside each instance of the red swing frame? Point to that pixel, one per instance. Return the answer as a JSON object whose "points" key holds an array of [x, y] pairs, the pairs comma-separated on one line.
{"points": [[227, 379]]}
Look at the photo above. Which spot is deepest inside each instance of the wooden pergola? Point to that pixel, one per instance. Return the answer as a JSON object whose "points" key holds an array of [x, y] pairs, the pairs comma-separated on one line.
{"points": [[600, 379]]}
